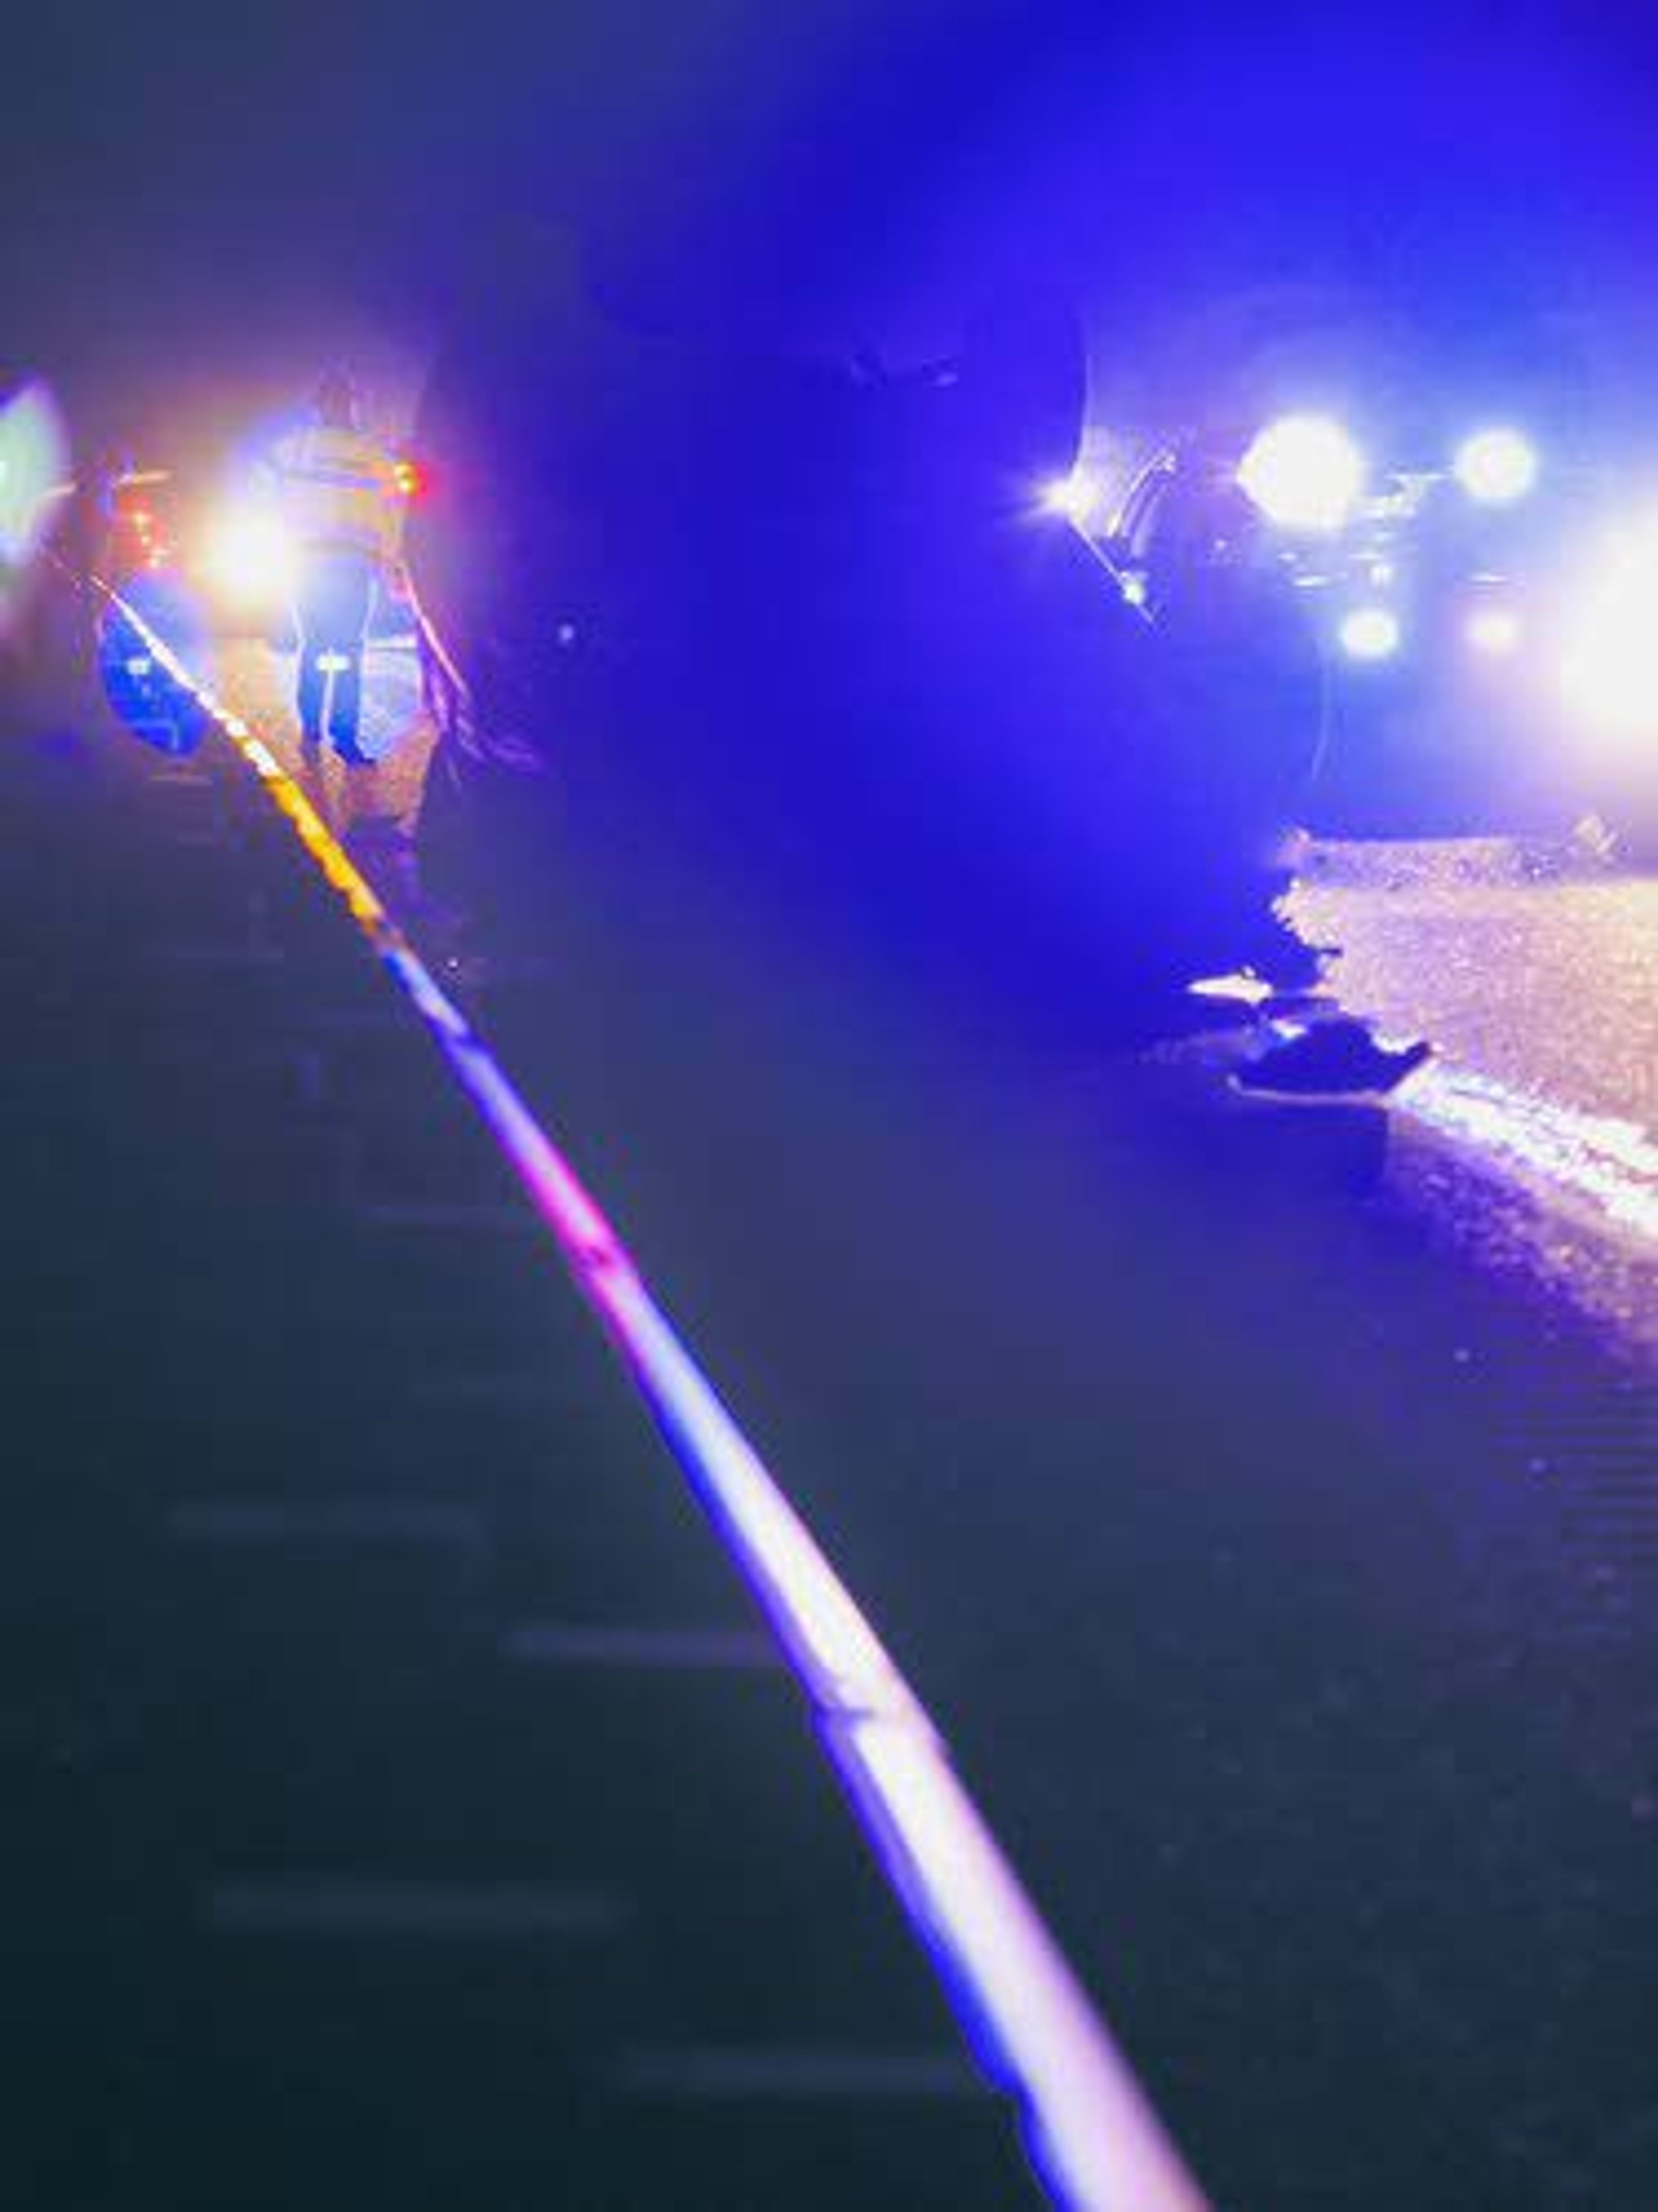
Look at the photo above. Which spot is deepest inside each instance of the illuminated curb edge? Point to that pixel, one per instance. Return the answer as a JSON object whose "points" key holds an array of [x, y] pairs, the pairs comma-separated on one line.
{"points": [[1606, 1163], [1089, 2131]]}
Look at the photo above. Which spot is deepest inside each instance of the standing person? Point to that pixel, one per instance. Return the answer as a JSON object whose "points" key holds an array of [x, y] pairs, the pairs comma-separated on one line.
{"points": [[338, 492]]}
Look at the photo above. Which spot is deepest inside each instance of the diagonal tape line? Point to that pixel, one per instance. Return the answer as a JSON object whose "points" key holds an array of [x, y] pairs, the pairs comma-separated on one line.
{"points": [[1092, 2135]]}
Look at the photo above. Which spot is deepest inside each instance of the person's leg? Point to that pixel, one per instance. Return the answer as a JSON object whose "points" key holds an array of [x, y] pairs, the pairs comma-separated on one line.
{"points": [[350, 590], [345, 708]]}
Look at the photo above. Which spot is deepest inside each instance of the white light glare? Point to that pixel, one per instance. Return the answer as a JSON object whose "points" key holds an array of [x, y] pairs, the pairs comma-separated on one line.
{"points": [[1370, 634], [1075, 498], [1496, 466], [1495, 631], [1609, 669], [250, 557], [1305, 473]]}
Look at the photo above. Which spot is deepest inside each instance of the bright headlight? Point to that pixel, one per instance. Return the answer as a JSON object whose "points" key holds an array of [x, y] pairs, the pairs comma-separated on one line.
{"points": [[249, 558], [1496, 466], [1077, 497], [1305, 473], [1370, 634]]}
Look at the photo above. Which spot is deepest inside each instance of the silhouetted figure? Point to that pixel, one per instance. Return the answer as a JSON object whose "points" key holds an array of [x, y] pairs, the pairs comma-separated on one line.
{"points": [[338, 491]]}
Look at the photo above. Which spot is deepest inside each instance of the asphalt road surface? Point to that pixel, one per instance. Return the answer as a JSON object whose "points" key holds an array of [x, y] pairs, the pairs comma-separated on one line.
{"points": [[1265, 1498]]}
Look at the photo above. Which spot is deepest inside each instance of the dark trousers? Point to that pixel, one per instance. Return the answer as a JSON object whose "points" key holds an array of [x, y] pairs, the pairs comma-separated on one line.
{"points": [[330, 611]]}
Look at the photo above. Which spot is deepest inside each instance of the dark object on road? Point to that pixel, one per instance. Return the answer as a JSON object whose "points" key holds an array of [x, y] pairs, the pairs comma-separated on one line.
{"points": [[1333, 1058], [794, 641]]}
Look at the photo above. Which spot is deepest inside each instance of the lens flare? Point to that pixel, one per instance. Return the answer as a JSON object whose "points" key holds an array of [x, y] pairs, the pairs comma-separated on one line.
{"points": [[1305, 473], [1496, 466]]}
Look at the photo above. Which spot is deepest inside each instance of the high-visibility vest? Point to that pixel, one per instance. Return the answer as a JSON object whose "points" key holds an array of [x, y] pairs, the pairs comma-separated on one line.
{"points": [[338, 491]]}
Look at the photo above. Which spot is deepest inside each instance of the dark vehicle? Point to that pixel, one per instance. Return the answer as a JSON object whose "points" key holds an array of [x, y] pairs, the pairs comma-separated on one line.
{"points": [[798, 641]]}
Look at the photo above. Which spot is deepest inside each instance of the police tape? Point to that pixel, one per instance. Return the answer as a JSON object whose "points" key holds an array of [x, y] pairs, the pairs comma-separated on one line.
{"points": [[1092, 2133]]}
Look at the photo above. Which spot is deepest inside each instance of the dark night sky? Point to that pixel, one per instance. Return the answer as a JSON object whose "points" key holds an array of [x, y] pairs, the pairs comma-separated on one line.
{"points": [[197, 195]]}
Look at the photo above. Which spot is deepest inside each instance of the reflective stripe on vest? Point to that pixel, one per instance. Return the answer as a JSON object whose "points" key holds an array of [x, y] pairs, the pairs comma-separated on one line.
{"points": [[338, 489]]}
